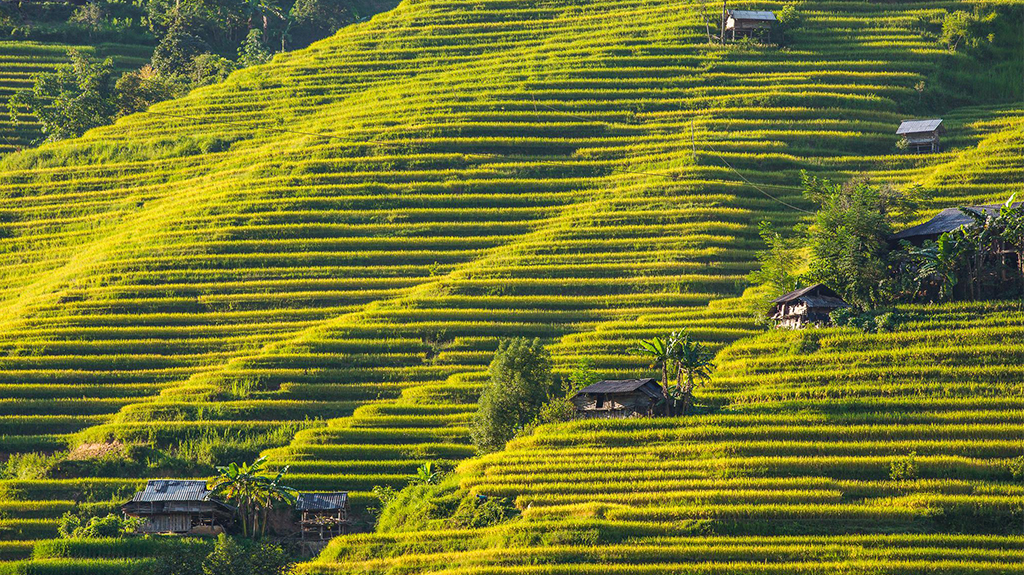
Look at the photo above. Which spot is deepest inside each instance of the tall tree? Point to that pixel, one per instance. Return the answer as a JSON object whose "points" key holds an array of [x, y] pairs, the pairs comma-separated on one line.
{"points": [[848, 240], [520, 382]]}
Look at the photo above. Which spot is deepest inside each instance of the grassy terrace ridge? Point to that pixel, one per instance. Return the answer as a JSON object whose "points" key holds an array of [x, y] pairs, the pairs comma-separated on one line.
{"points": [[341, 236]]}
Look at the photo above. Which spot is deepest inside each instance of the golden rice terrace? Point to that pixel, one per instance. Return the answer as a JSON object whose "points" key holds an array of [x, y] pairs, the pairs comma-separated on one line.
{"points": [[316, 259]]}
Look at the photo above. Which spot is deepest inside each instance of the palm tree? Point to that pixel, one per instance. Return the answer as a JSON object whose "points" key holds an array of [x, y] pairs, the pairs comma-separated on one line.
{"points": [[659, 351], [253, 493], [692, 360]]}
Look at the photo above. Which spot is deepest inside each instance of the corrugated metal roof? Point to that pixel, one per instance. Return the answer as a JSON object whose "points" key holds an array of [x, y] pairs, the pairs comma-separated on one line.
{"points": [[917, 126], [321, 501], [813, 290], [174, 490], [948, 220], [824, 301], [618, 385], [753, 15]]}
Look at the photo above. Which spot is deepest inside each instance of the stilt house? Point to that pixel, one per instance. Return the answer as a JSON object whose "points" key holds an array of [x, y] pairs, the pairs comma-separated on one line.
{"points": [[808, 306], [618, 398], [178, 506], [921, 136], [748, 23], [323, 515]]}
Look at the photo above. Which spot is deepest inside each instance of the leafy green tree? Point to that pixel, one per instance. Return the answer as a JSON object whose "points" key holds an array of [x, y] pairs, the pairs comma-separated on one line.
{"points": [[178, 49], [259, 12], [69, 101], [693, 363], [210, 69], [962, 29], [321, 16], [937, 262], [779, 262], [138, 90], [253, 50], [520, 381], [848, 240], [581, 376]]}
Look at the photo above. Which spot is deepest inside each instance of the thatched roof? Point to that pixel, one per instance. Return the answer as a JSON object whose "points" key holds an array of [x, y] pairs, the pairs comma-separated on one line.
{"points": [[818, 293], [647, 386], [947, 220]]}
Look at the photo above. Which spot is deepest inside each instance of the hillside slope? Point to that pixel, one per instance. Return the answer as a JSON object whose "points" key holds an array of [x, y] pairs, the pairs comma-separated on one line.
{"points": [[315, 259]]}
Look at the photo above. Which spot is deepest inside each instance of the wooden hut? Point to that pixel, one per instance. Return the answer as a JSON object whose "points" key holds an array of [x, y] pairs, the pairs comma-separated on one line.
{"points": [[178, 506], [618, 398], [921, 136], [748, 23], [323, 515], [810, 305]]}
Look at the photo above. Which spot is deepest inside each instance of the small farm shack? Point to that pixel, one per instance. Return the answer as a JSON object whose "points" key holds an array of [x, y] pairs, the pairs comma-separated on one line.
{"points": [[618, 398], [810, 305], [178, 506], [322, 515], [748, 23], [951, 219], [921, 136]]}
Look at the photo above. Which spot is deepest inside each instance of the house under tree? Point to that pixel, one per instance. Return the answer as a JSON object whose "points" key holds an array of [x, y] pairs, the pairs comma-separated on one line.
{"points": [[178, 506], [952, 219], [618, 398], [807, 306]]}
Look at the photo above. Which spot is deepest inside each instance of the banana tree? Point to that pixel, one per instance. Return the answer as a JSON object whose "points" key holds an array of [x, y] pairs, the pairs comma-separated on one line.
{"points": [[692, 361], [660, 353], [252, 493]]}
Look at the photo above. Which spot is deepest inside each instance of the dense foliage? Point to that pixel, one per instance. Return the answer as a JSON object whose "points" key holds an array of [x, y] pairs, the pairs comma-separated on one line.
{"points": [[520, 383]]}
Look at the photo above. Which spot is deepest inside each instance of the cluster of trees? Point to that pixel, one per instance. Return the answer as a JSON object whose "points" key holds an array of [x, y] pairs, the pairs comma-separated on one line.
{"points": [[848, 247], [218, 25], [197, 43], [689, 360]]}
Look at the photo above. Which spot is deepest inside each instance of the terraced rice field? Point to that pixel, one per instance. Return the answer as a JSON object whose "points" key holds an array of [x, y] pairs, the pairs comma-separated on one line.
{"points": [[21, 61], [793, 475], [315, 260]]}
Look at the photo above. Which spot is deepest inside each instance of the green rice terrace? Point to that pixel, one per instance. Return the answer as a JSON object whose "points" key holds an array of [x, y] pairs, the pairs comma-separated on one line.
{"points": [[315, 261]]}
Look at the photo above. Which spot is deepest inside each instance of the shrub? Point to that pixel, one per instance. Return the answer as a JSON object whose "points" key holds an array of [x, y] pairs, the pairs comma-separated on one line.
{"points": [[904, 468], [231, 555]]}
